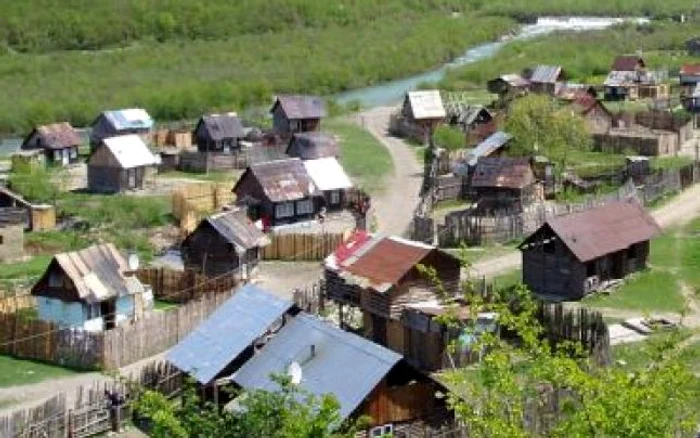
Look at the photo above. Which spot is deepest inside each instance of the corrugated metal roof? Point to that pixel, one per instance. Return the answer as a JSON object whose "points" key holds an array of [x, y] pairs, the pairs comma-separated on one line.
{"points": [[327, 174], [98, 273], [223, 126], [545, 74], [342, 364], [514, 80], [690, 69], [627, 63], [487, 147], [132, 118], [57, 136], [238, 229], [619, 78], [313, 145], [283, 180], [301, 107], [130, 151], [426, 104], [222, 337], [505, 172], [604, 230]]}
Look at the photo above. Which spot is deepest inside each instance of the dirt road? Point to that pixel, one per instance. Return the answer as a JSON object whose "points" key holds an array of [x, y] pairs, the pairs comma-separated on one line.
{"points": [[394, 206]]}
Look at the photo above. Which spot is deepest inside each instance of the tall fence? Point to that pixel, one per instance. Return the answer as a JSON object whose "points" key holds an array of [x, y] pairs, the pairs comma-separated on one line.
{"points": [[193, 201], [15, 303], [302, 247], [182, 286]]}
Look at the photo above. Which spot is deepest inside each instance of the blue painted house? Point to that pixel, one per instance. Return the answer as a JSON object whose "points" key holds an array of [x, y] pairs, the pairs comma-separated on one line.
{"points": [[91, 289]]}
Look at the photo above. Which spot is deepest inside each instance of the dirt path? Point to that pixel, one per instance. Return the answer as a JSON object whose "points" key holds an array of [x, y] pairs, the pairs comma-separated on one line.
{"points": [[394, 206], [25, 396]]}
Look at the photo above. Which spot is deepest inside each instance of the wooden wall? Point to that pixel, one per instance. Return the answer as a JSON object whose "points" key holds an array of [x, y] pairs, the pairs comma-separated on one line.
{"points": [[302, 247], [401, 403]]}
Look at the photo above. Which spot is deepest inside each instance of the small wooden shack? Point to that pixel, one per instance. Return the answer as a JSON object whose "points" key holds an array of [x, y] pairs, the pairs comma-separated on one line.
{"points": [[503, 184], [219, 133], [331, 182], [689, 76], [226, 243], [312, 146], [59, 143], [38, 217], [12, 223], [425, 110], [277, 192], [292, 114], [595, 115], [92, 289], [476, 121], [628, 63], [544, 78], [120, 164], [571, 256], [508, 86], [381, 276], [121, 122]]}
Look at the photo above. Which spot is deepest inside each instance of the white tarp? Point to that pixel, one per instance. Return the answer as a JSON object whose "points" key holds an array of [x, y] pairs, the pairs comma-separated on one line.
{"points": [[130, 151], [327, 174]]}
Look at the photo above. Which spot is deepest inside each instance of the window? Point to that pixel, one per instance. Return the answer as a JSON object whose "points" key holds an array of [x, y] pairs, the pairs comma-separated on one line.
{"points": [[73, 153], [335, 197], [284, 210], [57, 155], [305, 207], [382, 431]]}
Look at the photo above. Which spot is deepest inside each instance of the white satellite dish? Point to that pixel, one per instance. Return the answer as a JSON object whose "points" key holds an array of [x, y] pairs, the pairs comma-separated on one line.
{"points": [[133, 262], [294, 371]]}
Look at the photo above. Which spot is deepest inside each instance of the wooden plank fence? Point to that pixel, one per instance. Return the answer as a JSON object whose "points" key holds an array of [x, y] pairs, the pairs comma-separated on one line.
{"points": [[193, 201], [15, 303], [301, 247], [183, 286]]}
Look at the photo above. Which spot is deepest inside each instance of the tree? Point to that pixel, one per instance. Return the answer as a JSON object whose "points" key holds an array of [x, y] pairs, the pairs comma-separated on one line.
{"points": [[287, 413], [541, 127]]}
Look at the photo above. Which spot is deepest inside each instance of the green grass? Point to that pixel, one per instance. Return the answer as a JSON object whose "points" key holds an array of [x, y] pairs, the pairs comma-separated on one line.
{"points": [[363, 157], [163, 306], [670, 162], [508, 279], [473, 254], [15, 276], [16, 372], [647, 291], [213, 176]]}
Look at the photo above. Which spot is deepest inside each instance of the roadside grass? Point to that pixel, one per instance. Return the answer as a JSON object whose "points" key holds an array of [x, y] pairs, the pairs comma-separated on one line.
{"points": [[648, 291], [16, 372], [473, 254], [213, 176], [635, 355], [363, 157]]}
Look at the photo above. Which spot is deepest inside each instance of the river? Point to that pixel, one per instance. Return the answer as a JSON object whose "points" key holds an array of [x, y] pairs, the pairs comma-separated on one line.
{"points": [[391, 92]]}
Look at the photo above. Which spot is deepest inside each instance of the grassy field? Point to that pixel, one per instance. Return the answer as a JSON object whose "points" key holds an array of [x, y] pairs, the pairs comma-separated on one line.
{"points": [[365, 159], [213, 176], [15, 372]]}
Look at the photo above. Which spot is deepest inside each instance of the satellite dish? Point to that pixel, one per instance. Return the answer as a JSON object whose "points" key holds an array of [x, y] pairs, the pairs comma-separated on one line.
{"points": [[133, 262], [294, 371]]}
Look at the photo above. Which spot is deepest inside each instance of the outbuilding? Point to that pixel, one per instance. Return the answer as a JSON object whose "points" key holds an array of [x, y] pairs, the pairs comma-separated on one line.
{"points": [[331, 182], [121, 122], [219, 133], [424, 109], [503, 184], [292, 114], [120, 164], [59, 143], [544, 78], [312, 146]]}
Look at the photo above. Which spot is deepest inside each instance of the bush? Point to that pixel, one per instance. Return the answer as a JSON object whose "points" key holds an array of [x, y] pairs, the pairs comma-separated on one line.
{"points": [[449, 137], [33, 182]]}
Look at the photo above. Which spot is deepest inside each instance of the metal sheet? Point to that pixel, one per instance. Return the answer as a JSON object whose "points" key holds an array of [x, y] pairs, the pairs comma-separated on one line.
{"points": [[130, 151], [426, 104], [506, 172], [301, 107], [343, 364], [493, 143], [217, 341], [238, 229], [327, 174]]}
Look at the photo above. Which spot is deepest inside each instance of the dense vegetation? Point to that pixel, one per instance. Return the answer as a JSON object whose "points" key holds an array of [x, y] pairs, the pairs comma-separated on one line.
{"points": [[524, 9]]}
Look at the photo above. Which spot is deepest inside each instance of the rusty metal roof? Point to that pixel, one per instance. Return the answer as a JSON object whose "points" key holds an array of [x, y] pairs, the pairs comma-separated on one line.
{"points": [[604, 230], [237, 229], [301, 107], [283, 180], [56, 136], [505, 172], [690, 69], [627, 63], [313, 145], [545, 74]]}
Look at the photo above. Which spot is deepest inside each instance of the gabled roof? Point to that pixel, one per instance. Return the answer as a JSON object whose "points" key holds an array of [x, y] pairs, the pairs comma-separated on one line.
{"points": [[514, 80], [232, 328], [301, 107], [222, 126], [237, 229], [313, 145], [426, 104], [627, 63], [98, 273], [132, 118], [545, 74], [464, 113], [690, 69], [282, 180], [619, 78], [493, 143], [130, 151], [596, 232], [332, 361], [56, 136], [583, 103], [327, 174], [502, 172]]}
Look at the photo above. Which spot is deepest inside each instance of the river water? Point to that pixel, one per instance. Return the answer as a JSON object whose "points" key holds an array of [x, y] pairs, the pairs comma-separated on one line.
{"points": [[392, 92]]}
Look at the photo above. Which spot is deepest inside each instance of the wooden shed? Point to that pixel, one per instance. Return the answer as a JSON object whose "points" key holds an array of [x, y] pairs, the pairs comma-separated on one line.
{"points": [[425, 110], [544, 78], [59, 143], [292, 114], [121, 122], [313, 145], [120, 164], [219, 133], [508, 86], [595, 115], [38, 217], [503, 183], [12, 223], [226, 243], [571, 256], [381, 276]]}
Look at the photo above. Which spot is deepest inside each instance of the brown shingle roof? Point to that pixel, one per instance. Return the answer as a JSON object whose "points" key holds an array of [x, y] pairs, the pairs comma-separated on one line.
{"points": [[505, 172], [57, 136], [282, 180], [627, 63], [604, 230], [301, 107]]}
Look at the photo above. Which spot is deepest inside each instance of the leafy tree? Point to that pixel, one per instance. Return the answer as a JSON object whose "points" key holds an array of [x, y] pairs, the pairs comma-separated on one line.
{"points": [[287, 413], [449, 137], [541, 127]]}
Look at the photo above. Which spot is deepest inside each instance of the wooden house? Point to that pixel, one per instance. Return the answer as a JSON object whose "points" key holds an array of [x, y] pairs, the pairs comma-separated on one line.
{"points": [[277, 192], [331, 182], [38, 217], [225, 243], [121, 122], [219, 133], [312, 146], [425, 110], [595, 115], [59, 143], [503, 184], [292, 114], [12, 223], [380, 275], [120, 164], [544, 78], [508, 87], [621, 85], [691, 101], [571, 256], [689, 76], [476, 121], [632, 63], [91, 289]]}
